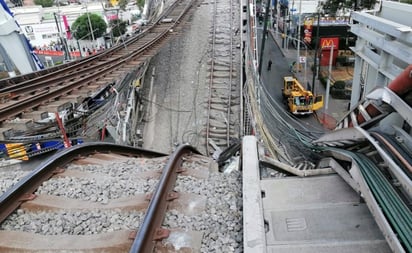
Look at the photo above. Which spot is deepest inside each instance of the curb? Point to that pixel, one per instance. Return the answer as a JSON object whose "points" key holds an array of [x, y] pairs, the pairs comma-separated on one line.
{"points": [[277, 43]]}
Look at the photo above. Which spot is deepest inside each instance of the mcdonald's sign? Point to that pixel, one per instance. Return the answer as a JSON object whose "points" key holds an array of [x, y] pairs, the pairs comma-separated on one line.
{"points": [[327, 43]]}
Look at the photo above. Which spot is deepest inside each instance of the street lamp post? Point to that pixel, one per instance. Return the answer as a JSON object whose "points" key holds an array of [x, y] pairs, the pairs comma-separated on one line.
{"points": [[315, 63], [299, 59], [61, 37], [265, 31], [329, 77], [78, 44], [299, 20]]}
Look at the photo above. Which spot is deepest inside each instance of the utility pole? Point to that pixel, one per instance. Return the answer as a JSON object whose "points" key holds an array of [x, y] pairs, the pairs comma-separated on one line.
{"points": [[90, 23], [315, 61], [265, 30], [62, 38], [299, 21], [329, 77]]}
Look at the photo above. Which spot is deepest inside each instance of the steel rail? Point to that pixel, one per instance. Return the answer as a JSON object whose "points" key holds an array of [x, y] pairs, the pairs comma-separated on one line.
{"points": [[88, 63], [23, 190], [32, 102], [229, 106], [86, 67], [150, 227], [212, 64], [49, 73]]}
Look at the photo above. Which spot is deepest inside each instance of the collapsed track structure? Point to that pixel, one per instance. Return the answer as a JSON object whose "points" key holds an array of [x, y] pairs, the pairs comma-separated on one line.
{"points": [[75, 100], [381, 175], [223, 84]]}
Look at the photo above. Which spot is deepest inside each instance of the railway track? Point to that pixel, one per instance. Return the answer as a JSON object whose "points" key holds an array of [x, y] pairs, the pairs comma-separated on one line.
{"points": [[223, 81], [35, 97], [100, 197]]}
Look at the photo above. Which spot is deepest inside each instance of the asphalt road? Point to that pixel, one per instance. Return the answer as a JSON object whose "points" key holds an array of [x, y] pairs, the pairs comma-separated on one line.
{"points": [[273, 83]]}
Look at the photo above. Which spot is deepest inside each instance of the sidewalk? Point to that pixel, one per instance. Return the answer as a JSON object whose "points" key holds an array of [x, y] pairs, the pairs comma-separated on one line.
{"points": [[336, 108]]}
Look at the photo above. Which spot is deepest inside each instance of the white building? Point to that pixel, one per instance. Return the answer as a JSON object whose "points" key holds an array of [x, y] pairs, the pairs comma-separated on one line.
{"points": [[40, 26]]}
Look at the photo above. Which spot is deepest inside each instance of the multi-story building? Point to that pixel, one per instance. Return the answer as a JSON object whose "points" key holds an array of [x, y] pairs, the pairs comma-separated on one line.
{"points": [[42, 25]]}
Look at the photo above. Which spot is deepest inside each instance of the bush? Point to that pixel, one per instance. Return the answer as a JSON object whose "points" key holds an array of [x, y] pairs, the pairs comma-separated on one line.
{"points": [[323, 80], [338, 93], [339, 84]]}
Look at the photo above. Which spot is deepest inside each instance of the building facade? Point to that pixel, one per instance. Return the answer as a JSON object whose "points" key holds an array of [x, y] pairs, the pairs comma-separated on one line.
{"points": [[45, 26]]}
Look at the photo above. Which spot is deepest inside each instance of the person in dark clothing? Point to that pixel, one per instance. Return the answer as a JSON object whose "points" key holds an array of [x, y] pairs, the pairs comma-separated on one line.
{"points": [[269, 65]]}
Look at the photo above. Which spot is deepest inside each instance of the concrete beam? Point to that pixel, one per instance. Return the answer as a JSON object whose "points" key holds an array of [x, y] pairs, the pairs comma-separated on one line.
{"points": [[254, 236], [393, 47], [397, 30]]}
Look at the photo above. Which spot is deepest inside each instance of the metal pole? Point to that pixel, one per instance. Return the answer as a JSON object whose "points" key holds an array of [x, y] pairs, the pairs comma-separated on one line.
{"points": [[62, 39], [80, 50], [299, 20], [277, 16], [306, 60], [329, 77], [315, 59], [90, 23], [265, 21]]}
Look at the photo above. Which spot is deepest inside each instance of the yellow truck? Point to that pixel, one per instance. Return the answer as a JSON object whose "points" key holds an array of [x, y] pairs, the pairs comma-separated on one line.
{"points": [[299, 100]]}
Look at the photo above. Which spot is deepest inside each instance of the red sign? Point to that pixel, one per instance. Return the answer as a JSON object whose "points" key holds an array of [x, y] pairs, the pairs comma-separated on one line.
{"points": [[327, 43], [49, 52], [56, 53], [112, 15]]}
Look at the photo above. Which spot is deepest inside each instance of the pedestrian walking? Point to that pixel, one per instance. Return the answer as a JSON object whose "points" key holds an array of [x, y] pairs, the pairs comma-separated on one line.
{"points": [[291, 66], [269, 65]]}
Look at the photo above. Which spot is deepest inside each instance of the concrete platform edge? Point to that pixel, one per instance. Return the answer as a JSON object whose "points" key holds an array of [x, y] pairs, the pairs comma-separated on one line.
{"points": [[253, 224]]}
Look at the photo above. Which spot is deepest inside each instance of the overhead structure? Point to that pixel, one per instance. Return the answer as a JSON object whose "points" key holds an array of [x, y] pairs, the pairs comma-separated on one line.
{"points": [[383, 47], [374, 142], [15, 49]]}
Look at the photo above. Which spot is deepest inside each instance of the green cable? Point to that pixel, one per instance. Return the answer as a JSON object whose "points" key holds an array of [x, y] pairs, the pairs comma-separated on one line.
{"points": [[397, 212]]}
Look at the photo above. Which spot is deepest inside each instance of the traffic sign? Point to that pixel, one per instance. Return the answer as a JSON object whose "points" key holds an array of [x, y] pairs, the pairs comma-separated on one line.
{"points": [[302, 59]]}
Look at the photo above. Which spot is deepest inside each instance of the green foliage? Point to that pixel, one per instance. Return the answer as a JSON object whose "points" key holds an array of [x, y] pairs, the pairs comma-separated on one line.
{"points": [[81, 29], [140, 3], [339, 93], [44, 3], [339, 84], [406, 1], [118, 27], [322, 80]]}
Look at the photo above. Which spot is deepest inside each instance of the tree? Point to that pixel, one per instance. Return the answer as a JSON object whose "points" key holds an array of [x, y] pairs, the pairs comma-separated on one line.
{"points": [[81, 29], [44, 3], [140, 3], [118, 27]]}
